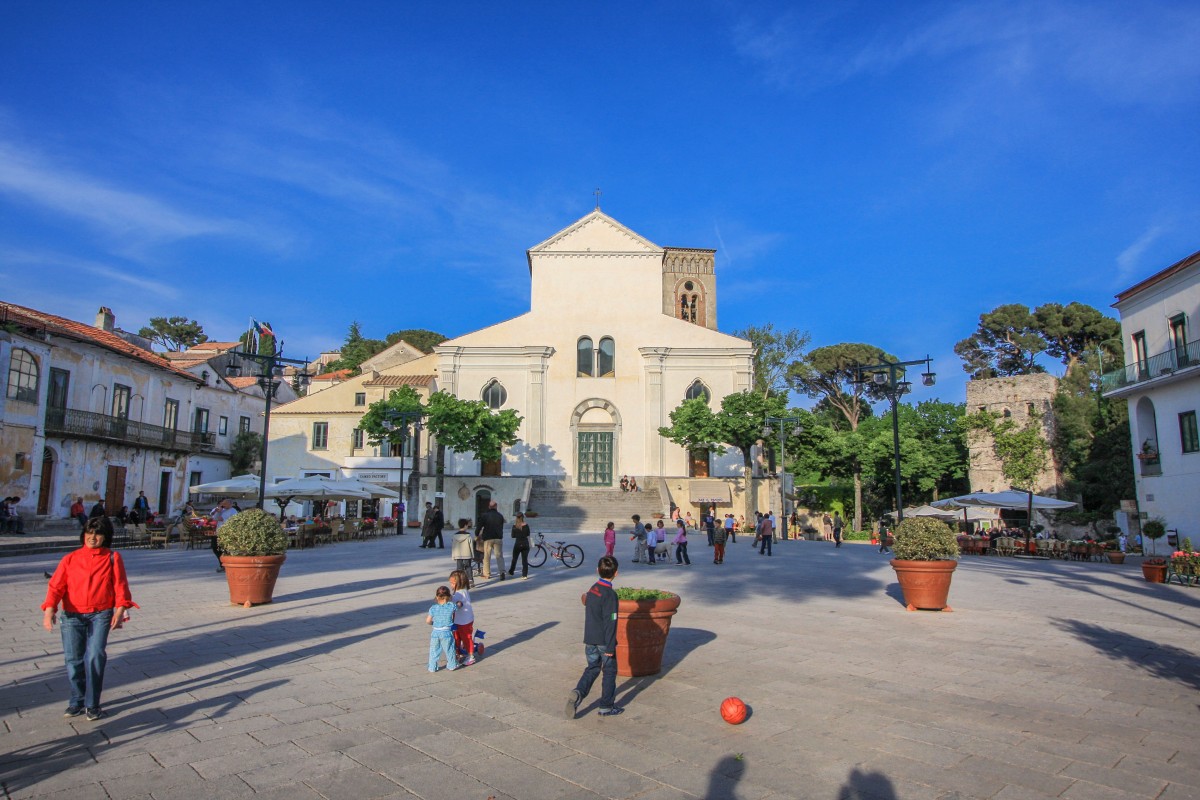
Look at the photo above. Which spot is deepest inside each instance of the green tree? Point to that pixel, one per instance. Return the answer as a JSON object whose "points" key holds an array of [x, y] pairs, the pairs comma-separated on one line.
{"points": [[174, 333], [774, 353], [355, 350], [264, 344], [1007, 342], [1077, 329], [419, 338], [1091, 439], [470, 426], [694, 427], [374, 422], [244, 452], [827, 374]]}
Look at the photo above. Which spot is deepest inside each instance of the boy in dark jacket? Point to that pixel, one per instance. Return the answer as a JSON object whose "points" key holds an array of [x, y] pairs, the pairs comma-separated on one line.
{"points": [[600, 642]]}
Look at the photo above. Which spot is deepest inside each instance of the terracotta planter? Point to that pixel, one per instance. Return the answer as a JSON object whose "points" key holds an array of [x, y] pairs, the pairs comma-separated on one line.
{"points": [[1154, 573], [1116, 558], [926, 584], [251, 578]]}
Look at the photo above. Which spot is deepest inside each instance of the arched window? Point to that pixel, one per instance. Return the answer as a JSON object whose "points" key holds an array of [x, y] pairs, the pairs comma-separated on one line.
{"points": [[494, 395], [585, 362], [607, 361], [22, 376], [698, 390]]}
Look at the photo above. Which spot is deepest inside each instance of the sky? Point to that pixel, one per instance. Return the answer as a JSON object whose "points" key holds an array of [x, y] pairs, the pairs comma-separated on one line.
{"points": [[873, 172]]}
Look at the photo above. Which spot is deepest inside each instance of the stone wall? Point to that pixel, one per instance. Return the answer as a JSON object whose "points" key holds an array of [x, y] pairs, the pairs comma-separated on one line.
{"points": [[1019, 398]]}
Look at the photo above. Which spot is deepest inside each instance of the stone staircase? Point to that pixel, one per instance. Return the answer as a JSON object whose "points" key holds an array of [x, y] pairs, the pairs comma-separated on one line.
{"points": [[563, 508]]}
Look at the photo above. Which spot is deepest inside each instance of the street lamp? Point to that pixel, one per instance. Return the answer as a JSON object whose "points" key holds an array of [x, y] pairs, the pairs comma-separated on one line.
{"points": [[400, 420], [270, 374], [780, 424], [888, 377]]}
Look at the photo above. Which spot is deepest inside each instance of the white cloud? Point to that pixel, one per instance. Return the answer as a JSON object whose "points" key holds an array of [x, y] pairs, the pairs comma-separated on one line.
{"points": [[69, 264], [1129, 260]]}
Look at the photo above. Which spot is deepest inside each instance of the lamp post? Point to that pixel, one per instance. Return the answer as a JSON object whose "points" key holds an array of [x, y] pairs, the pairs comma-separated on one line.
{"points": [[780, 424], [400, 420], [888, 378], [270, 375]]}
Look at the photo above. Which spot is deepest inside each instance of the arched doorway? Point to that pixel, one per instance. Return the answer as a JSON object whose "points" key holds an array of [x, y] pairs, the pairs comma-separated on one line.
{"points": [[483, 498], [46, 487], [596, 429]]}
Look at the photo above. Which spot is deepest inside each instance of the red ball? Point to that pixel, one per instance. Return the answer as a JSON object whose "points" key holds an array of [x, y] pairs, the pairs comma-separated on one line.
{"points": [[733, 711]]}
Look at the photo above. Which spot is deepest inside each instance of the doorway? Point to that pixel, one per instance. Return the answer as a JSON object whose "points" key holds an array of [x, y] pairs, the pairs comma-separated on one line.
{"points": [[483, 498], [164, 493], [47, 483], [114, 491], [595, 458]]}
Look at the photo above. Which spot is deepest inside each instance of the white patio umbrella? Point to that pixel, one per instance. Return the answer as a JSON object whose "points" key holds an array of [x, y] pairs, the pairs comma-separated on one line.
{"points": [[315, 487], [1013, 498], [373, 489], [241, 487]]}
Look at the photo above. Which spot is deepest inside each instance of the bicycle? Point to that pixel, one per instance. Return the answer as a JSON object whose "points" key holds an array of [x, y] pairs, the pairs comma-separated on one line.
{"points": [[571, 555]]}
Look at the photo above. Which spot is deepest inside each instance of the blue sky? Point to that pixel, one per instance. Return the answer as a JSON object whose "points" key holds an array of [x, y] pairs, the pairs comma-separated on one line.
{"points": [[878, 172]]}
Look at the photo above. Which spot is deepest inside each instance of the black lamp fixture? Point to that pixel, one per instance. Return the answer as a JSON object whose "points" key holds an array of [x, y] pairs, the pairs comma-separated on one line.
{"points": [[889, 378]]}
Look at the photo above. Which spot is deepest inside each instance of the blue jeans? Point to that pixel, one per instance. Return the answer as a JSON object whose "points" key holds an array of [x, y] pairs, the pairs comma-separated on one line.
{"points": [[681, 556], [442, 642], [599, 664], [85, 637]]}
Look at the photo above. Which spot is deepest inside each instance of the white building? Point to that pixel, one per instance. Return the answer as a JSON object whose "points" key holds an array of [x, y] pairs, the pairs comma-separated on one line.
{"points": [[1161, 384]]}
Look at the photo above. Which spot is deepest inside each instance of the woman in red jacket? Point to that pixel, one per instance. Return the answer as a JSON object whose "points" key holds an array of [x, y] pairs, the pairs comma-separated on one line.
{"points": [[90, 583]]}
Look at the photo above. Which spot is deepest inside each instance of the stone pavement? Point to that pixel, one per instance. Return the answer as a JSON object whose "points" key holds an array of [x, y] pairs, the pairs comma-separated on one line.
{"points": [[1050, 679]]}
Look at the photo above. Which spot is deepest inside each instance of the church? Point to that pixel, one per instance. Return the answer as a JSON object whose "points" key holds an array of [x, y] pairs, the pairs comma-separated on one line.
{"points": [[620, 331]]}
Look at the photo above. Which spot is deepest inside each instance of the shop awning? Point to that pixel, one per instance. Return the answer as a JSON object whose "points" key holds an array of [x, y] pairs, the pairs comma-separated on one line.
{"points": [[709, 493]]}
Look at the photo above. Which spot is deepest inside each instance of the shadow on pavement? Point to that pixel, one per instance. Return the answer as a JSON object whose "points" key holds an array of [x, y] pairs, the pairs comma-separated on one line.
{"points": [[1160, 660], [524, 636], [680, 643], [867, 786], [723, 778]]}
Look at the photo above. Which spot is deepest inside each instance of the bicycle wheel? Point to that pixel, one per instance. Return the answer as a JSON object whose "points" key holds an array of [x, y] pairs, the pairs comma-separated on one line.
{"points": [[572, 556], [538, 556]]}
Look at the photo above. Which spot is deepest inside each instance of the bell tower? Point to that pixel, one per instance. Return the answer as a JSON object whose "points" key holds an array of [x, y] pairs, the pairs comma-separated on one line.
{"points": [[690, 285]]}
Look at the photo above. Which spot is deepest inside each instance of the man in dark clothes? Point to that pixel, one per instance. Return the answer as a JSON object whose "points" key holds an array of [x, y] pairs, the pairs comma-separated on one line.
{"points": [[490, 530], [599, 643]]}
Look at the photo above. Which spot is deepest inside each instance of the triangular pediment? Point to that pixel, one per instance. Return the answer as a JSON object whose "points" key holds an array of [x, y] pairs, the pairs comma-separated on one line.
{"points": [[596, 233]]}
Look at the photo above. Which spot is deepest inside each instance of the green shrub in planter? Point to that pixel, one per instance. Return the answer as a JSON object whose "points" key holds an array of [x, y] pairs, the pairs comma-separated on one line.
{"points": [[924, 539], [252, 533], [629, 593]]}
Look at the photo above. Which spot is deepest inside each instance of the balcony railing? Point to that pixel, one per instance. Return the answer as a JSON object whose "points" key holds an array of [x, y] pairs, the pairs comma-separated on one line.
{"points": [[90, 425], [1163, 364]]}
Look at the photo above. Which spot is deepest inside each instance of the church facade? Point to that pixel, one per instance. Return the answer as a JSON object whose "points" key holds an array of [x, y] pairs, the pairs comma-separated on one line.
{"points": [[619, 332]]}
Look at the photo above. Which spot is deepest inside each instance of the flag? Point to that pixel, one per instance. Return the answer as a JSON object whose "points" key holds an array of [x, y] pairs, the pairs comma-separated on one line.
{"points": [[262, 328]]}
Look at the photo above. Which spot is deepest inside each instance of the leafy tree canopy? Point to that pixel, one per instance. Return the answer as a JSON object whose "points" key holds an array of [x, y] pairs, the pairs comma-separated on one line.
{"points": [[739, 423], [174, 333], [828, 373], [244, 451], [1011, 337], [464, 425], [358, 348], [264, 345], [419, 338], [774, 352]]}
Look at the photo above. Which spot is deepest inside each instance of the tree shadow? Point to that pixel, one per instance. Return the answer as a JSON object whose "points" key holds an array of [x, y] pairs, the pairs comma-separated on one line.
{"points": [[862, 785], [1160, 660]]}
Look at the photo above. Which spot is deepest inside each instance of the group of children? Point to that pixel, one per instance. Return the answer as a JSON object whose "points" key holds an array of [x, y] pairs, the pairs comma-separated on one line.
{"points": [[453, 619], [650, 542]]}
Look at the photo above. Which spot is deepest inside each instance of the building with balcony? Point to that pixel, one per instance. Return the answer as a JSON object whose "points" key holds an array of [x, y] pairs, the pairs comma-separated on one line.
{"points": [[1161, 385], [90, 411]]}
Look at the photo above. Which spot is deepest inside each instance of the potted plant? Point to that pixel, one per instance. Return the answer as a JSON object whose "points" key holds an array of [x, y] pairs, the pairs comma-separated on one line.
{"points": [[1154, 569], [925, 552], [643, 622], [1154, 529], [1185, 562], [1112, 551], [253, 545]]}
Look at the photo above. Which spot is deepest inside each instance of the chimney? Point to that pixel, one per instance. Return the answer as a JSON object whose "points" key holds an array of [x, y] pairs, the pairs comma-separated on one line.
{"points": [[105, 319]]}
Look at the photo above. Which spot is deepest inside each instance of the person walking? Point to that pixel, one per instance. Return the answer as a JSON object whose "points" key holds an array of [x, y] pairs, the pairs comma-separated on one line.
{"points": [[731, 528], [462, 550], [710, 523], [680, 541], [599, 643], [883, 539], [766, 533], [427, 526], [92, 587], [141, 507], [491, 532], [520, 535], [837, 529]]}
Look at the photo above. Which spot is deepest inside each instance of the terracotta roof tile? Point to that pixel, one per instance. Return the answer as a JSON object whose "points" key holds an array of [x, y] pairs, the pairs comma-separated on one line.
{"points": [[336, 375], [215, 346], [61, 326], [243, 382]]}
